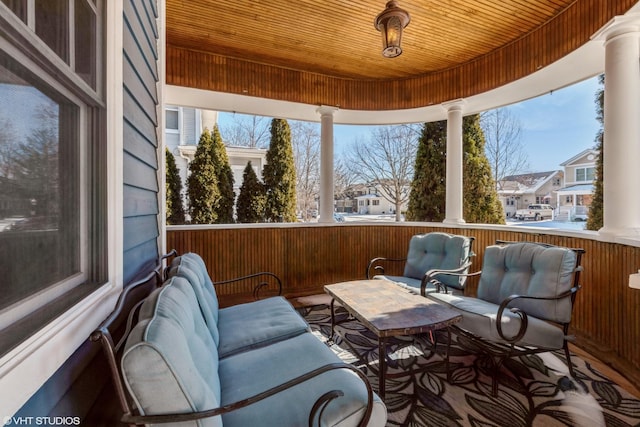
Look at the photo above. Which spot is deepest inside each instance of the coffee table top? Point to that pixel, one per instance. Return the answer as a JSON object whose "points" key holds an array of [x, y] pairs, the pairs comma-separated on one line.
{"points": [[388, 310]]}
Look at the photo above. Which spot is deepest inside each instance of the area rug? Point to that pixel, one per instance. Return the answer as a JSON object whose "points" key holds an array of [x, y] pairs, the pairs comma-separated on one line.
{"points": [[533, 391]]}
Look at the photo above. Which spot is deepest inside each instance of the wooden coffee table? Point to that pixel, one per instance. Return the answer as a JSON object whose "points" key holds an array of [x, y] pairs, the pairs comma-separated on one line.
{"points": [[389, 311]]}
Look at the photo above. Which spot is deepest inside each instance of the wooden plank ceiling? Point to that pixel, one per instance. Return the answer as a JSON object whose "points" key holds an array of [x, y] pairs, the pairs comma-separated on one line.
{"points": [[338, 38], [336, 41]]}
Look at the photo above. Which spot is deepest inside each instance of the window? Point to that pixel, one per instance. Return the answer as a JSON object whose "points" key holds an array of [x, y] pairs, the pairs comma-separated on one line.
{"points": [[510, 201], [52, 229], [376, 202], [569, 199], [85, 53], [19, 7], [556, 182], [172, 119], [585, 174], [52, 25]]}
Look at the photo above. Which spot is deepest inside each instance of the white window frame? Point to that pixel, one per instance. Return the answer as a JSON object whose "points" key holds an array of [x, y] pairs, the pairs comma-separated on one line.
{"points": [[178, 111], [586, 174], [28, 366]]}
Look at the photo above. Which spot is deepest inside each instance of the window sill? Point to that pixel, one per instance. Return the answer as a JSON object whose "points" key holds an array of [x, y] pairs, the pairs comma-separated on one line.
{"points": [[30, 363]]}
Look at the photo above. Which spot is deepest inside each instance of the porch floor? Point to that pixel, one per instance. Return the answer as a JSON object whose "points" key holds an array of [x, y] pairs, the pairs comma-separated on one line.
{"points": [[535, 390]]}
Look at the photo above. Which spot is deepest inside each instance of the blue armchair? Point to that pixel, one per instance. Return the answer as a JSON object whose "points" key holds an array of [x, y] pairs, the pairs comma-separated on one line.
{"points": [[429, 256], [524, 301]]}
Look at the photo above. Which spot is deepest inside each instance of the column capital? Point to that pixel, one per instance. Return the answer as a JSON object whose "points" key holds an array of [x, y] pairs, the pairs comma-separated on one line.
{"points": [[454, 105], [325, 110], [618, 26]]}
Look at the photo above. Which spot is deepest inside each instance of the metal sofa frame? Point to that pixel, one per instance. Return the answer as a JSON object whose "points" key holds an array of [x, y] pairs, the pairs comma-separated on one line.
{"points": [[133, 296]]}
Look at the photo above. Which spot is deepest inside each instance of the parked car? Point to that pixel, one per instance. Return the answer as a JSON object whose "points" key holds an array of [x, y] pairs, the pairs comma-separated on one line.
{"points": [[338, 217], [536, 212]]}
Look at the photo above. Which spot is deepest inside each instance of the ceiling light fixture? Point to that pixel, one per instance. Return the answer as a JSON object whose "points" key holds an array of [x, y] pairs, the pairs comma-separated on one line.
{"points": [[390, 23]]}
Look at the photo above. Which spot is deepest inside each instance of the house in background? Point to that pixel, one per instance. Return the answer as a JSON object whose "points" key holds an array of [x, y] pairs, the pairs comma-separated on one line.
{"points": [[375, 201], [345, 200], [363, 199], [519, 191], [183, 127], [574, 199], [238, 159], [370, 204]]}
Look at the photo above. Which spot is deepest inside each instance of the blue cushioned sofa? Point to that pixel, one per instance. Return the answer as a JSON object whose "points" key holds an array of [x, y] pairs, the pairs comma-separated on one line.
{"points": [[187, 362], [241, 327]]}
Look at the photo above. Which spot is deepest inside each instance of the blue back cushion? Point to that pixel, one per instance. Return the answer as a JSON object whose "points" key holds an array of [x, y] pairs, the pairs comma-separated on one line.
{"points": [[191, 267], [170, 362], [532, 270], [437, 250]]}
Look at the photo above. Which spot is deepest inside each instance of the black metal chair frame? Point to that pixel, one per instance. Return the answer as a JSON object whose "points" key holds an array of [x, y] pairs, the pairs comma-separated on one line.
{"points": [[113, 353], [500, 352], [261, 286], [377, 265]]}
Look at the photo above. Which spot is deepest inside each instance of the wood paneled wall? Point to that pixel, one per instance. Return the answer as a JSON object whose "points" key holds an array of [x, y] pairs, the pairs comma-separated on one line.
{"points": [[606, 315]]}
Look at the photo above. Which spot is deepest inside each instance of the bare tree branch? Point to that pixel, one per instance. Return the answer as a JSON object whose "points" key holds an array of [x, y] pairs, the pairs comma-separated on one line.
{"points": [[247, 131], [387, 160], [502, 131], [8, 142], [344, 177], [305, 138]]}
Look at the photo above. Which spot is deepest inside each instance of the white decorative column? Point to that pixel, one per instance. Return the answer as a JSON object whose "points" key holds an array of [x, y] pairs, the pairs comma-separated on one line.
{"points": [[326, 164], [621, 207], [453, 207]]}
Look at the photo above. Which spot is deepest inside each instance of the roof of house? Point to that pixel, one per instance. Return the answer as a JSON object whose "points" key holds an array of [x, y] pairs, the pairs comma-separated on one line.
{"points": [[580, 155], [526, 183], [578, 188], [528, 176]]}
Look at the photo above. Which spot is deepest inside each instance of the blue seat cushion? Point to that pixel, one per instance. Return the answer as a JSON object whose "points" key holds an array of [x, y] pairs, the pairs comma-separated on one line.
{"points": [[480, 317], [254, 371], [258, 323], [243, 326]]}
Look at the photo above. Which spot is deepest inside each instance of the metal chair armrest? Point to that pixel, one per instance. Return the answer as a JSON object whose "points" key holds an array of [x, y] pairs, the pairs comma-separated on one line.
{"points": [[430, 277], [524, 323], [318, 406], [165, 271], [259, 286], [380, 268]]}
